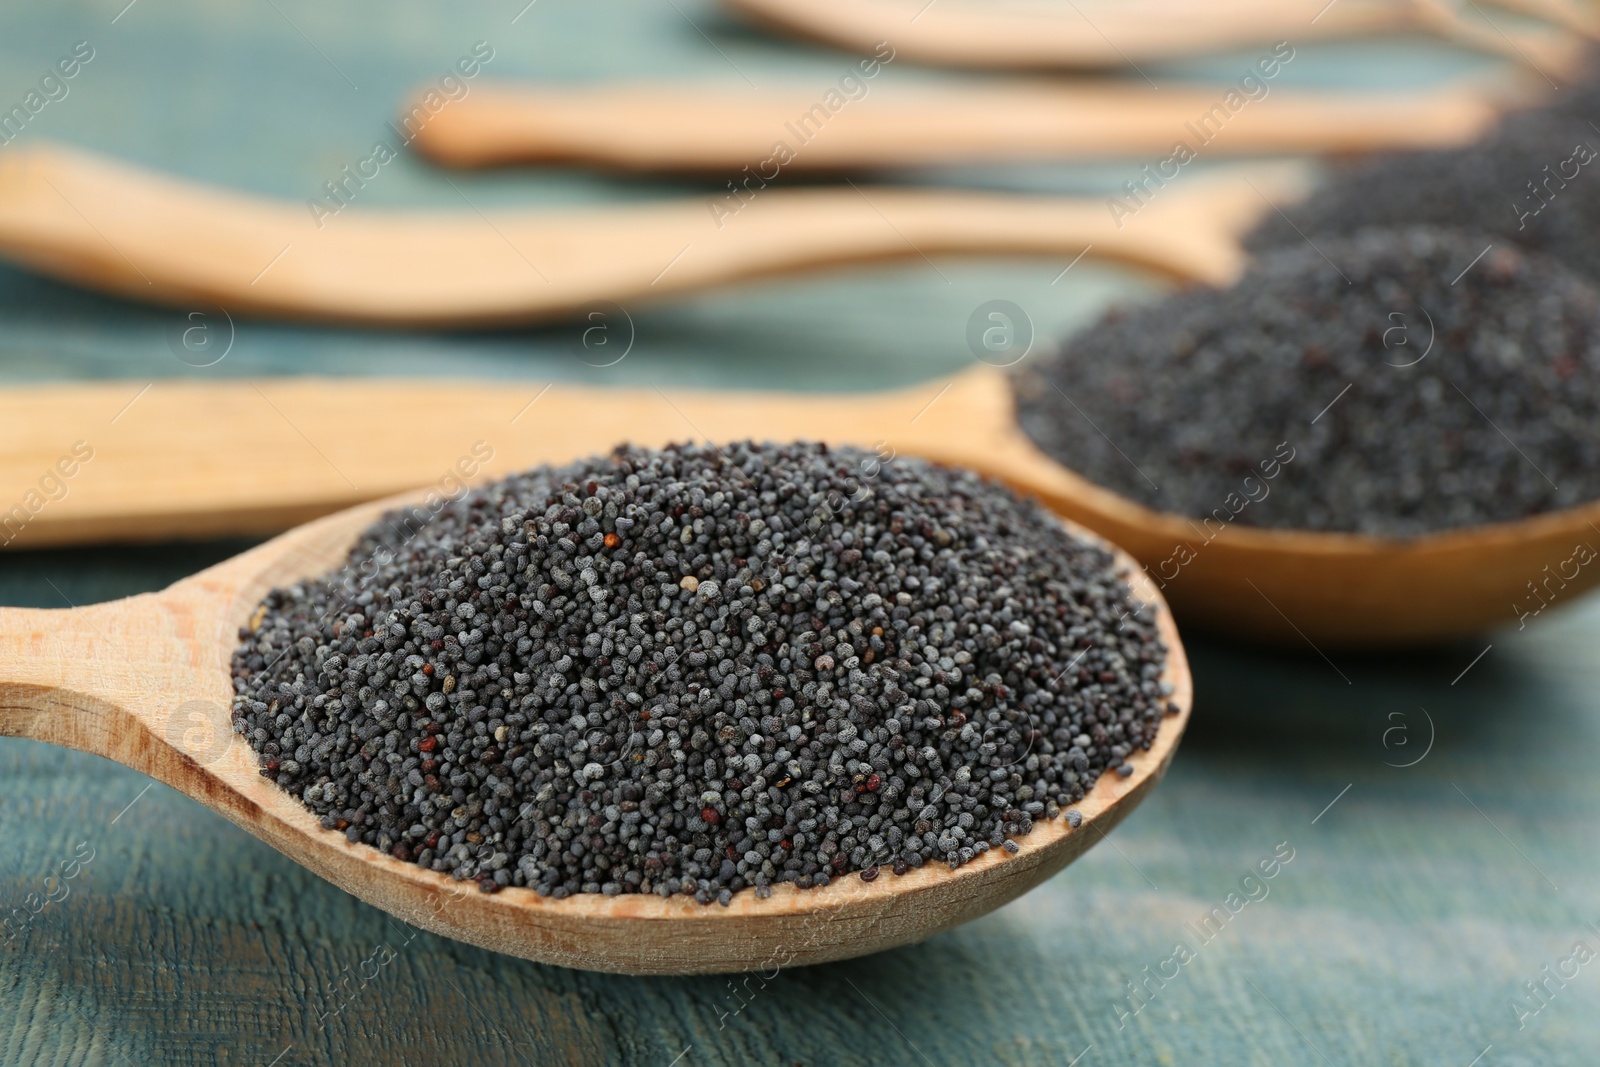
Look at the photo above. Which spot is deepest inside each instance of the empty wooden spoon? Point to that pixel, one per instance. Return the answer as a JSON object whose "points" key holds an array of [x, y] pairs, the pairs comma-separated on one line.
{"points": [[186, 459], [1075, 36], [154, 238], [770, 132], [146, 682]]}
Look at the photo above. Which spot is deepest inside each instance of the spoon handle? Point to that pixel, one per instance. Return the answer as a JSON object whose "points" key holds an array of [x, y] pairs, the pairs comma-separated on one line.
{"points": [[765, 134], [186, 459], [30, 705], [66, 676], [154, 238]]}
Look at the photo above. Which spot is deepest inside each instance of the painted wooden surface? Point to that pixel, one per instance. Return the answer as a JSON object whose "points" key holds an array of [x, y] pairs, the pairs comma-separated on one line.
{"points": [[1415, 907]]}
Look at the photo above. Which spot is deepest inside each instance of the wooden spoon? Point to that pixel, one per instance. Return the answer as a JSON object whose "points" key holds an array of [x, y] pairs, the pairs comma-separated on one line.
{"points": [[146, 682], [647, 128], [187, 459], [148, 237], [1083, 35]]}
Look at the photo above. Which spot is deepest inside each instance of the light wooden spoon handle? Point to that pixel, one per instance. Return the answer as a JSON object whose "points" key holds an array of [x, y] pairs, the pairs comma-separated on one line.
{"points": [[768, 133], [143, 681], [38, 697], [183, 458], [1050, 37], [155, 238]]}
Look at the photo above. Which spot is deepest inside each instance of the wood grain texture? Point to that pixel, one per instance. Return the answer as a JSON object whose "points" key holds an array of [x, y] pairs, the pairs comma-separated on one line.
{"points": [[154, 238], [192, 460], [1037, 37], [146, 682], [673, 128]]}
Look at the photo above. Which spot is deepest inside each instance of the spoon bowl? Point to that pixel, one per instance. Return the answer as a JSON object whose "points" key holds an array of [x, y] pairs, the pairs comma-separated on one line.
{"points": [[146, 682]]}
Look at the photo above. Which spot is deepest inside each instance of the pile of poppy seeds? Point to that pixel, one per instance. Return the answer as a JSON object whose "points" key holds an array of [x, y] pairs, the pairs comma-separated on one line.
{"points": [[1414, 350], [1533, 181], [1393, 382], [693, 670]]}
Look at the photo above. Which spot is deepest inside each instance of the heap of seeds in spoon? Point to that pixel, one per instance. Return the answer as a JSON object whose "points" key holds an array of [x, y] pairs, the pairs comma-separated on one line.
{"points": [[1533, 182], [1394, 382], [694, 670]]}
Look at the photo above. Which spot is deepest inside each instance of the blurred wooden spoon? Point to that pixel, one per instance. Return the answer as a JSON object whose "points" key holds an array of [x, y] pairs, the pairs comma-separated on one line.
{"points": [[153, 238], [1087, 35], [191, 460], [649, 128]]}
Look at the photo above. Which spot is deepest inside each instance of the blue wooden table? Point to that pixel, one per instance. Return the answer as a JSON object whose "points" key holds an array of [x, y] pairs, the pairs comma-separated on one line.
{"points": [[1440, 809]]}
